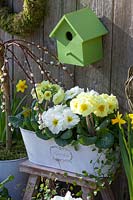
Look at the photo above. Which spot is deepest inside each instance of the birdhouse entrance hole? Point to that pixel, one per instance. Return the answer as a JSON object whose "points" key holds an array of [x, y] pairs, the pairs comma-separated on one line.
{"points": [[69, 36]]}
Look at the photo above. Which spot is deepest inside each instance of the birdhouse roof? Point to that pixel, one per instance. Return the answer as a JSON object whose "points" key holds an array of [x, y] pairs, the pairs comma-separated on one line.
{"points": [[84, 22]]}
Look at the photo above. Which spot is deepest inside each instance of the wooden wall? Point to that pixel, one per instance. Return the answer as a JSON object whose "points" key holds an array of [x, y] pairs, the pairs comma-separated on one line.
{"points": [[107, 76]]}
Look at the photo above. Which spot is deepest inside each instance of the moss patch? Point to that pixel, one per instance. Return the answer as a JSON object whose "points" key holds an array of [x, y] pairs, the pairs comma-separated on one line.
{"points": [[24, 22], [17, 151]]}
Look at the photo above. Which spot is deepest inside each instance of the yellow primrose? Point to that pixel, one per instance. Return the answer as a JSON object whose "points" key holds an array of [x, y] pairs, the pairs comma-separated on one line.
{"points": [[21, 86], [113, 103], [102, 107], [84, 107], [74, 105], [47, 95], [118, 119], [58, 97], [45, 85]]}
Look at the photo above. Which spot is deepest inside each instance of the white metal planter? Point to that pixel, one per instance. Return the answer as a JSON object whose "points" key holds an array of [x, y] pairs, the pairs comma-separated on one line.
{"points": [[48, 153]]}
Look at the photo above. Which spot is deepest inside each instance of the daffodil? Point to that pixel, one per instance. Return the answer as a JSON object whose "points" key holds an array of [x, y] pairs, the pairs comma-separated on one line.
{"points": [[131, 117], [26, 111], [21, 86], [118, 119]]}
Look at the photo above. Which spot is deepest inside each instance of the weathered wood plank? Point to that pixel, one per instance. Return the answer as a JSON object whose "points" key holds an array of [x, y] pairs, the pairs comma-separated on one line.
{"points": [[32, 183], [52, 173], [56, 11], [98, 76], [122, 59], [122, 48], [87, 185]]}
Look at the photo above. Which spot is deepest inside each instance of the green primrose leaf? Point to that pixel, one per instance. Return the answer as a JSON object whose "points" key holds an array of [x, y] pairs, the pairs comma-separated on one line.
{"points": [[103, 125], [87, 140], [81, 130], [62, 142], [67, 135], [50, 134], [106, 141], [43, 135]]}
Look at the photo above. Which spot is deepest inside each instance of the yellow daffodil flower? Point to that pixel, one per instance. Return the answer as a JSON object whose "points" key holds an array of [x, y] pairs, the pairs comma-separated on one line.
{"points": [[131, 117], [118, 119], [26, 112], [21, 86]]}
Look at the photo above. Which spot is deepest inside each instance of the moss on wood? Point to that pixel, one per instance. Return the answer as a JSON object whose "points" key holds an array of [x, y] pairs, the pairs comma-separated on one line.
{"points": [[24, 22], [17, 151]]}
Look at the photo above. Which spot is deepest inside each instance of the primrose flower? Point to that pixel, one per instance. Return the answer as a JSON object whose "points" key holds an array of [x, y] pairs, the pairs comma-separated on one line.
{"points": [[118, 119], [59, 118], [84, 107], [45, 85], [58, 97], [73, 92], [21, 86], [53, 121], [47, 95], [102, 106], [67, 197], [70, 119], [113, 103]]}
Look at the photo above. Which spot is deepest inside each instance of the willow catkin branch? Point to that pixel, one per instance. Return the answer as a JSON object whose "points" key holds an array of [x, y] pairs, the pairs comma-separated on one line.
{"points": [[6, 93], [44, 49], [129, 88], [19, 64]]}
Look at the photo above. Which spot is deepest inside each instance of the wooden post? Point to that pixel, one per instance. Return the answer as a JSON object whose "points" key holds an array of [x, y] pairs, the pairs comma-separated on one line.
{"points": [[85, 192], [32, 183]]}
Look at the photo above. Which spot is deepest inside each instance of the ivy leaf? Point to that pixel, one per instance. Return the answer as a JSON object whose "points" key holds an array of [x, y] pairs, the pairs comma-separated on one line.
{"points": [[67, 135], [106, 141], [87, 140]]}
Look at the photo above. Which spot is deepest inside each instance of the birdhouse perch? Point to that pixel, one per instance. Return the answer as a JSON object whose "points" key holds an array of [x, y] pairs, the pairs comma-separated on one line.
{"points": [[79, 38]]}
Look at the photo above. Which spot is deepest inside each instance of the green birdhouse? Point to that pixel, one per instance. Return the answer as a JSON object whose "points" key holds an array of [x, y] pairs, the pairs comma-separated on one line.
{"points": [[79, 38]]}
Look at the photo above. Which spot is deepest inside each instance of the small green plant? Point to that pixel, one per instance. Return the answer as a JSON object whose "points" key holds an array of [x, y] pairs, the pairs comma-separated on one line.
{"points": [[46, 190], [4, 195], [49, 188]]}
